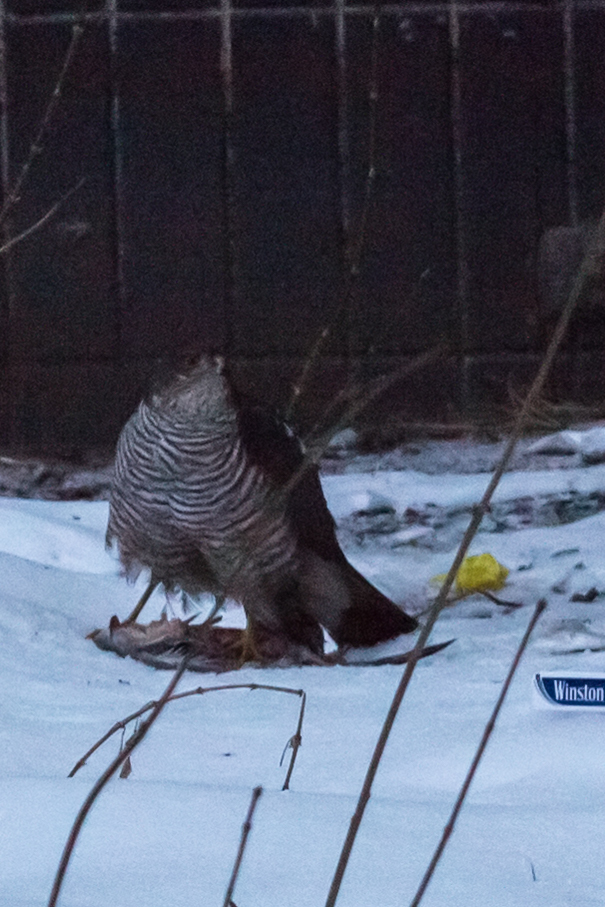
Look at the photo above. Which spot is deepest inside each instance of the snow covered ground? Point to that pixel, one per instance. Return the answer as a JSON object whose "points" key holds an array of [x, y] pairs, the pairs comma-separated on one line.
{"points": [[532, 831]]}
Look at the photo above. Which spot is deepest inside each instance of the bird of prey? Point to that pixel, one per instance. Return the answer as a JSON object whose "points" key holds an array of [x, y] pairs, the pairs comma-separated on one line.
{"points": [[212, 493]]}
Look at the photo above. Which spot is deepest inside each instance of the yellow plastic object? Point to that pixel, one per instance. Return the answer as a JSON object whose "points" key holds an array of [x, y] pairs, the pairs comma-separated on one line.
{"points": [[478, 573]]}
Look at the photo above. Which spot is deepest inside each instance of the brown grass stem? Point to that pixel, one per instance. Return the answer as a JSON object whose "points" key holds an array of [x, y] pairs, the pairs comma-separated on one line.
{"points": [[319, 445], [246, 828], [294, 742], [590, 267], [10, 243], [359, 399], [122, 756], [489, 727], [14, 194]]}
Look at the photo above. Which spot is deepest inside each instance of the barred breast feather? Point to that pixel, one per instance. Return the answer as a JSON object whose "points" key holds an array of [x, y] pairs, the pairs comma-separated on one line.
{"points": [[204, 497]]}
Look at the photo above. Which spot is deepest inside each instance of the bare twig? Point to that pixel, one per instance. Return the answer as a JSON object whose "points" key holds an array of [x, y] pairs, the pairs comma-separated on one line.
{"points": [[294, 742], [503, 602], [355, 250], [447, 831], [122, 756], [591, 266], [359, 399], [10, 243], [14, 195], [242, 845]]}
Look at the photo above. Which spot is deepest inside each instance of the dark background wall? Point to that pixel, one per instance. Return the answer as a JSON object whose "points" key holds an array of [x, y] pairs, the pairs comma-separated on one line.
{"points": [[225, 148]]}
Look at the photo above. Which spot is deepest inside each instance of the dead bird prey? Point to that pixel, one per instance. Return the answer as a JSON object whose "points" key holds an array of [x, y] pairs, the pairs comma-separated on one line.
{"points": [[212, 494]]}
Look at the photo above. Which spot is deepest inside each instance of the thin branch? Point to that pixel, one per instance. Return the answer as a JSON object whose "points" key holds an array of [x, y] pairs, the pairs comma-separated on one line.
{"points": [[294, 742], [43, 220], [359, 399], [502, 602], [355, 251], [590, 267], [246, 827], [363, 399], [36, 147], [122, 756], [449, 828]]}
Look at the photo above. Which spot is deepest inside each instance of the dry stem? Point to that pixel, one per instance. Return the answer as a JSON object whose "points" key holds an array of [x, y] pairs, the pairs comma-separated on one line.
{"points": [[294, 742], [35, 150], [246, 827], [358, 400], [489, 727], [591, 266], [43, 220], [122, 756]]}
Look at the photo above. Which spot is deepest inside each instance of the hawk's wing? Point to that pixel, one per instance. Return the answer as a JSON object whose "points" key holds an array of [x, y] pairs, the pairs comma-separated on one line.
{"points": [[271, 445]]}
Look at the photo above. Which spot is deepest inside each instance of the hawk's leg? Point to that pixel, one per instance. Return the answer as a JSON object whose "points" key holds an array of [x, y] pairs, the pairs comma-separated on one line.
{"points": [[247, 646], [219, 601], [142, 602], [263, 646]]}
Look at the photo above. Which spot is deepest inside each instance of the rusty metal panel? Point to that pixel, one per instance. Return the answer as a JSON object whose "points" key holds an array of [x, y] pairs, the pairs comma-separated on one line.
{"points": [[407, 278], [62, 277], [286, 219], [513, 177], [170, 185]]}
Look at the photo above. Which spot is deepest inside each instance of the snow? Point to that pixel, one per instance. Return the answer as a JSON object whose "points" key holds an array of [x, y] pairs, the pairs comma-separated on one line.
{"points": [[590, 444], [531, 832]]}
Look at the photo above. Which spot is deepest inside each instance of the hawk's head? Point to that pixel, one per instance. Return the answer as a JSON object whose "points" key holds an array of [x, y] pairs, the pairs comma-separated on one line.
{"points": [[195, 385]]}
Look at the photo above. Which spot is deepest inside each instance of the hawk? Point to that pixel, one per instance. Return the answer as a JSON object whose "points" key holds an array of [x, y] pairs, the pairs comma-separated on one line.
{"points": [[212, 493]]}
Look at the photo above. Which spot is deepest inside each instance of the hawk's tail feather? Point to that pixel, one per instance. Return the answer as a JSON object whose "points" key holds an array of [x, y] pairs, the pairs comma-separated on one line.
{"points": [[371, 617]]}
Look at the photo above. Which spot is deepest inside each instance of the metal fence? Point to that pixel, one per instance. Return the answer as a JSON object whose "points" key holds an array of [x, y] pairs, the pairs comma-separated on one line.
{"points": [[224, 151]]}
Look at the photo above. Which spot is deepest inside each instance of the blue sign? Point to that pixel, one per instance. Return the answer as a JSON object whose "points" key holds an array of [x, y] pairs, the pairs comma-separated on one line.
{"points": [[573, 691]]}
